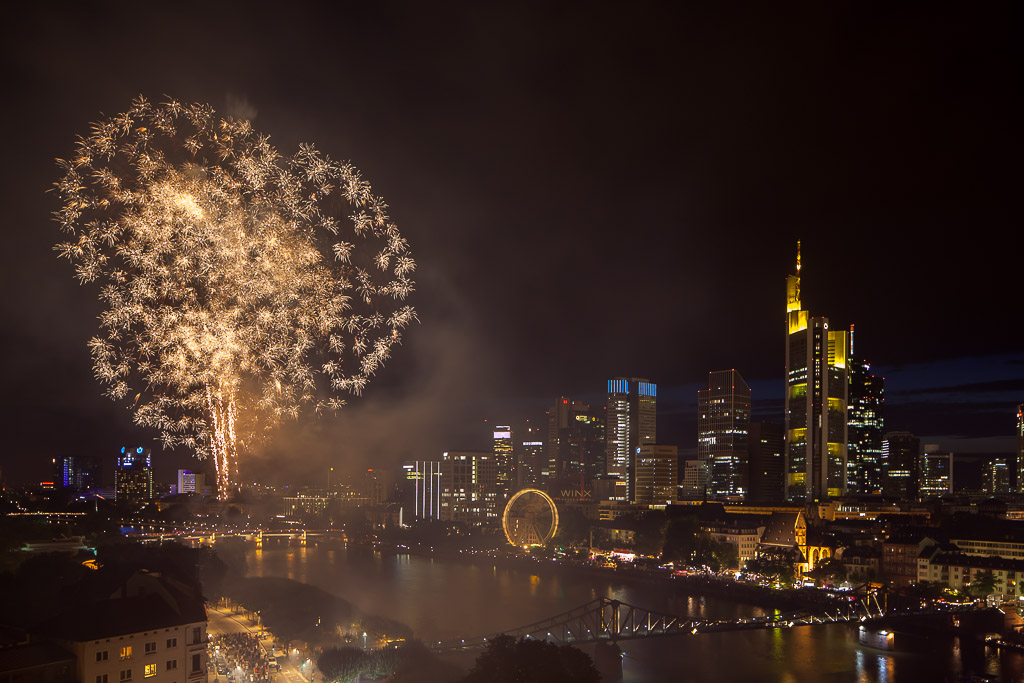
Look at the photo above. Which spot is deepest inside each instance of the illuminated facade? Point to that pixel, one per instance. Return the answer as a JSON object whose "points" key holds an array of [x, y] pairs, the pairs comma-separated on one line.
{"points": [[1020, 449], [657, 475], [76, 472], [899, 465], [424, 477], [133, 477], [935, 473], [504, 460], [191, 482], [865, 426], [723, 426], [631, 421], [469, 487], [576, 441], [815, 401], [995, 475], [529, 462], [766, 445]]}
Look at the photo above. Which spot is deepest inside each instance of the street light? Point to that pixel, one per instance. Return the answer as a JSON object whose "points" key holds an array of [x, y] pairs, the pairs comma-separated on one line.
{"points": [[364, 640]]}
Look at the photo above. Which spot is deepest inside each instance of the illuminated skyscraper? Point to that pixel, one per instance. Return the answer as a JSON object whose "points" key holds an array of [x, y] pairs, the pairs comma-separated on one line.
{"points": [[424, 477], [723, 425], [133, 478], [935, 473], [657, 478], [530, 463], [469, 483], [865, 426], [631, 421], [575, 446], [815, 401], [76, 472], [1020, 449], [900, 465], [995, 475], [504, 461]]}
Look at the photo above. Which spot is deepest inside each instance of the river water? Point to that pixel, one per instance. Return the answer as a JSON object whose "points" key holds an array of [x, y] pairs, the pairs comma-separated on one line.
{"points": [[444, 599]]}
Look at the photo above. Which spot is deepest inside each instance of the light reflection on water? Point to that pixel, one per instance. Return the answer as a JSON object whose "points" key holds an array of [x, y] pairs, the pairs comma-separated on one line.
{"points": [[443, 599]]}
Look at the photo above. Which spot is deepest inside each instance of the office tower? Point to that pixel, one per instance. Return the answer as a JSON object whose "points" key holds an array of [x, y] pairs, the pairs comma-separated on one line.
{"points": [[865, 427], [76, 473], [530, 461], [575, 447], [723, 422], [899, 465], [631, 421], [1019, 483], [935, 472], [995, 475], [694, 481], [424, 477], [766, 445], [469, 483], [657, 478], [504, 461], [133, 477], [815, 401], [191, 482]]}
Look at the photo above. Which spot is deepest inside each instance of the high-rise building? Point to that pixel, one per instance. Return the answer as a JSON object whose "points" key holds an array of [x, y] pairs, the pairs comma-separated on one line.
{"points": [[865, 426], [631, 421], [76, 472], [995, 475], [657, 478], [815, 401], [469, 487], [133, 477], [723, 424], [504, 461], [191, 482], [935, 472], [1019, 483], [530, 461], [576, 441], [766, 444], [899, 465], [424, 478]]}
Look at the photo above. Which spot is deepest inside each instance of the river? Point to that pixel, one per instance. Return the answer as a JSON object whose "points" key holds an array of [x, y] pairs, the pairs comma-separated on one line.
{"points": [[444, 599]]}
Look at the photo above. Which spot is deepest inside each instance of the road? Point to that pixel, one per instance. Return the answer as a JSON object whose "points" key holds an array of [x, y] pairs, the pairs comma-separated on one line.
{"points": [[224, 621]]}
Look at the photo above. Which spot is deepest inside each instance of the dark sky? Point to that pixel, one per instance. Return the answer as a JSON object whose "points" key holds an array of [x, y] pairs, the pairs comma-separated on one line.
{"points": [[590, 191]]}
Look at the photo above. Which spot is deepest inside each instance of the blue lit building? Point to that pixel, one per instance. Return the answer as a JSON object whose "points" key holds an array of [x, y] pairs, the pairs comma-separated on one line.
{"points": [[133, 477], [630, 422]]}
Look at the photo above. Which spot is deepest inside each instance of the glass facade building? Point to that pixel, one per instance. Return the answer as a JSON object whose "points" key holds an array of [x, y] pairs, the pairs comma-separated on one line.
{"points": [[631, 421], [723, 426]]}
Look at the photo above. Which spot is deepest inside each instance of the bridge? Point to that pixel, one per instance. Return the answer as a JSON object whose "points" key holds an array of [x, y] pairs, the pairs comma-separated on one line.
{"points": [[605, 619]]}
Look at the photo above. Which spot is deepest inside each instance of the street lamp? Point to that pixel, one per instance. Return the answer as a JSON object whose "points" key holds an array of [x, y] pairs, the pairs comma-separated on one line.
{"points": [[364, 640]]}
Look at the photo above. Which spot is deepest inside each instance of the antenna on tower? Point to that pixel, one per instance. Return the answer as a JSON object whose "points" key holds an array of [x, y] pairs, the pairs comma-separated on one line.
{"points": [[798, 257]]}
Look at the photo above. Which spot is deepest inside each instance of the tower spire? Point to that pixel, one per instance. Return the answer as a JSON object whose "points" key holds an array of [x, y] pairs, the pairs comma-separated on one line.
{"points": [[798, 257]]}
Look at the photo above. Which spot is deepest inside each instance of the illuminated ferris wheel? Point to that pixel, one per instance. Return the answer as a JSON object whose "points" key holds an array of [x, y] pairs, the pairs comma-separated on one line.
{"points": [[530, 518]]}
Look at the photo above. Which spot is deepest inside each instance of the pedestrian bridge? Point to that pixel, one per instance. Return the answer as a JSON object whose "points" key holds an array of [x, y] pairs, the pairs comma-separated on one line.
{"points": [[605, 619]]}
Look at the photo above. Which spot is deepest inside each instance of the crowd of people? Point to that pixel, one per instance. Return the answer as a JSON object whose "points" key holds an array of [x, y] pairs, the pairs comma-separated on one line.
{"points": [[240, 658]]}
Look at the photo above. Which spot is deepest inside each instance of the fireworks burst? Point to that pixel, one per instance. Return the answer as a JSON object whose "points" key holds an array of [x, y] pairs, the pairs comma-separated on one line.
{"points": [[235, 293]]}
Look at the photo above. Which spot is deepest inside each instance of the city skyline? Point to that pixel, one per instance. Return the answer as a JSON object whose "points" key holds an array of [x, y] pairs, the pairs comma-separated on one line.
{"points": [[642, 168]]}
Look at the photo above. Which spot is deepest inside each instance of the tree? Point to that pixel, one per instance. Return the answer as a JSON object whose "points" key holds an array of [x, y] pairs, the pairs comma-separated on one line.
{"points": [[506, 660], [984, 583], [342, 664]]}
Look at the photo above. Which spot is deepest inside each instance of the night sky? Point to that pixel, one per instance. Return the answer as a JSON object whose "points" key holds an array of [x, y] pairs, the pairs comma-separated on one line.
{"points": [[590, 191]]}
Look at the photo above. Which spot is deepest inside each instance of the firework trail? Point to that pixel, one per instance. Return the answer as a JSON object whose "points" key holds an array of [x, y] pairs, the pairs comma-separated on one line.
{"points": [[240, 285]]}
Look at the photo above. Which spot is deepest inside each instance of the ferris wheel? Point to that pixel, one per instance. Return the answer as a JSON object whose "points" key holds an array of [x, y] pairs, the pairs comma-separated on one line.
{"points": [[530, 518]]}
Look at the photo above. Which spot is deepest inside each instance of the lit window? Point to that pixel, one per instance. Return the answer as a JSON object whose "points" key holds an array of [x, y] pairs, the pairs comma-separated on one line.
{"points": [[126, 653], [150, 670]]}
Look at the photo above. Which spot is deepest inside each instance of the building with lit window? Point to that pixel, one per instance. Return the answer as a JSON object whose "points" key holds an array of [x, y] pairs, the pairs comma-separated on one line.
{"points": [[1019, 474], [424, 478], [530, 461], [504, 460], [723, 426], [133, 477], [815, 401], [900, 452], [150, 628], [191, 482], [935, 473], [657, 474], [995, 475], [766, 445], [631, 420], [865, 426], [575, 446], [469, 487], [77, 473]]}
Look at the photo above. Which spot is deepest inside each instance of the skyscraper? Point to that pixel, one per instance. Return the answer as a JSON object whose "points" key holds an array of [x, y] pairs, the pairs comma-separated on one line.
{"points": [[935, 473], [995, 475], [657, 478], [631, 421], [504, 461], [865, 424], [76, 472], [899, 465], [469, 483], [133, 477], [723, 425], [424, 478], [766, 444], [1020, 449], [815, 401], [576, 441]]}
